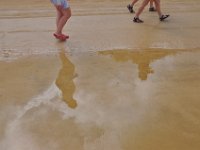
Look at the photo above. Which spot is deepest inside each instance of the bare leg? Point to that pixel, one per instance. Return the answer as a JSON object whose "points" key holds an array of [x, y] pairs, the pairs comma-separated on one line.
{"points": [[157, 4], [161, 16], [133, 2], [151, 3], [62, 19], [144, 3], [59, 15]]}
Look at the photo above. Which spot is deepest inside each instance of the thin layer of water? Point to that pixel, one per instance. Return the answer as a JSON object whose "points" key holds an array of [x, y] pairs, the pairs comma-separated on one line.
{"points": [[125, 99]]}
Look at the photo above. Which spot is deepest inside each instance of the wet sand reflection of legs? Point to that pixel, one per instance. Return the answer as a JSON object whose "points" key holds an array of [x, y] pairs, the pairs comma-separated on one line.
{"points": [[64, 80]]}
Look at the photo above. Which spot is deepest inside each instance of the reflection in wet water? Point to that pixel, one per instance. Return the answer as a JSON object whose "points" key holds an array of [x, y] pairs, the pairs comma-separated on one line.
{"points": [[115, 110], [64, 80], [142, 58]]}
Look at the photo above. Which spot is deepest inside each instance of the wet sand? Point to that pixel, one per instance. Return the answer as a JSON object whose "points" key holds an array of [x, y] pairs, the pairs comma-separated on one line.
{"points": [[113, 85]]}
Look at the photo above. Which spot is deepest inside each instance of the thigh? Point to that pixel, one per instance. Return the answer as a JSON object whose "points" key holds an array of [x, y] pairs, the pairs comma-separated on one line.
{"points": [[145, 2]]}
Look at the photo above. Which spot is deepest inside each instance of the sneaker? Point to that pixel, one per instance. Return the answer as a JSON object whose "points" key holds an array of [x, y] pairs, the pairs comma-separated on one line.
{"points": [[130, 8], [137, 20], [152, 9], [163, 17]]}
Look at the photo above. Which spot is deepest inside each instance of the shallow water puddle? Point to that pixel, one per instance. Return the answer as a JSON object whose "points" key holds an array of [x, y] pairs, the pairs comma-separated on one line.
{"points": [[114, 99]]}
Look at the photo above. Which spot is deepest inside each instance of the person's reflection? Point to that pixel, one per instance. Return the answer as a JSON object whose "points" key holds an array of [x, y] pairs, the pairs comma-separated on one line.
{"points": [[65, 82], [144, 70], [141, 58]]}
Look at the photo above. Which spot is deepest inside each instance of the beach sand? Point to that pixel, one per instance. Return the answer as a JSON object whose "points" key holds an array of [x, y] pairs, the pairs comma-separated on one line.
{"points": [[113, 85]]}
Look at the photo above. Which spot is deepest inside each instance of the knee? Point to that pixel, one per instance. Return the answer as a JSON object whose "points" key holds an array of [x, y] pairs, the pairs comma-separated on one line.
{"points": [[67, 14]]}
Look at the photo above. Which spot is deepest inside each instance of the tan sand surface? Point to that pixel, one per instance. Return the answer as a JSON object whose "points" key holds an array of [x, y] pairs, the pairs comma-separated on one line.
{"points": [[113, 85]]}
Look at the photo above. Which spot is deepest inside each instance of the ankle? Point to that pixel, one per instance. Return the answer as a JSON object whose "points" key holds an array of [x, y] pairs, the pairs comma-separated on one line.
{"points": [[58, 33]]}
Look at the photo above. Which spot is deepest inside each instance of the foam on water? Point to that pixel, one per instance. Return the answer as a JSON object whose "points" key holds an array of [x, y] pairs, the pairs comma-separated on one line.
{"points": [[19, 137]]}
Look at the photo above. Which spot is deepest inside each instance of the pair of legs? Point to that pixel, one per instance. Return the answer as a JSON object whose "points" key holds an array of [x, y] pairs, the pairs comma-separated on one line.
{"points": [[130, 6], [140, 10], [63, 14]]}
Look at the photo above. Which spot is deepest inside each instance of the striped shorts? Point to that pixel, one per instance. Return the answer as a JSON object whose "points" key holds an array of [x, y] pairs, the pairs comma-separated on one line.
{"points": [[63, 3]]}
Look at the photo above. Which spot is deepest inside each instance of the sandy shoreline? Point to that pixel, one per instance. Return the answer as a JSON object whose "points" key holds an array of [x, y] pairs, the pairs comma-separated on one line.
{"points": [[111, 28], [110, 32]]}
